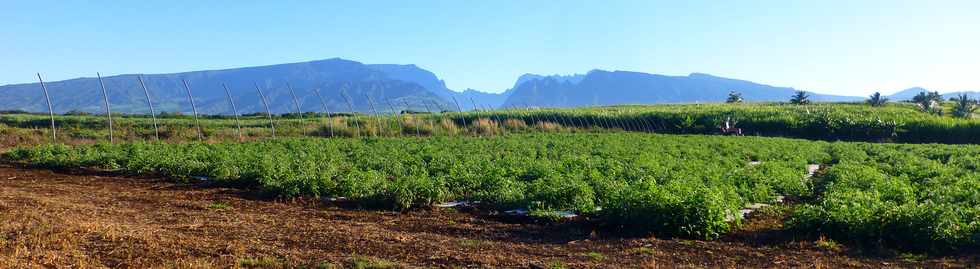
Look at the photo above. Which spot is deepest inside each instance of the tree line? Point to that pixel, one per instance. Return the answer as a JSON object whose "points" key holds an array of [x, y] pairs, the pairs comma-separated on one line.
{"points": [[929, 102]]}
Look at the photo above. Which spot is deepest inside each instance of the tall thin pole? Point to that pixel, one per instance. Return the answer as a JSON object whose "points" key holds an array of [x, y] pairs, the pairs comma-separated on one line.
{"points": [[149, 103], [623, 124], [493, 114], [234, 109], [527, 108], [200, 133], [325, 110], [268, 112], [295, 101], [108, 111], [398, 118], [475, 108], [576, 120], [417, 132], [459, 109], [376, 115], [432, 126], [302, 125], [350, 106], [442, 116], [474, 104], [47, 98]]}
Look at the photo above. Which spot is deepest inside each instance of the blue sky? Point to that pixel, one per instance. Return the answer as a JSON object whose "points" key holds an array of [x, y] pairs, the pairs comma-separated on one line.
{"points": [[843, 47]]}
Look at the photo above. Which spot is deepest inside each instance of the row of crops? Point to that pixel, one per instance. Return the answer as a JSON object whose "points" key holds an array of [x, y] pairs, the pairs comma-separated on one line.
{"points": [[914, 196], [824, 121]]}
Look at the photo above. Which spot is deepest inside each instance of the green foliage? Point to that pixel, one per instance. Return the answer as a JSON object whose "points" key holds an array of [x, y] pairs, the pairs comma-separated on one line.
{"points": [[964, 107], [919, 197], [929, 102], [800, 98], [828, 244], [219, 206], [877, 100], [684, 186], [923, 198], [892, 122], [364, 262], [734, 97], [596, 256]]}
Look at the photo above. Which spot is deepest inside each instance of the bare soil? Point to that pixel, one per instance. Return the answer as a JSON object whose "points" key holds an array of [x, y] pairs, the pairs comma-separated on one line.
{"points": [[93, 220]]}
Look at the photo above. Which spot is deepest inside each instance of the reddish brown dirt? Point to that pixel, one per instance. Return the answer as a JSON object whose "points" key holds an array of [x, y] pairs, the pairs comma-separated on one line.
{"points": [[50, 219]]}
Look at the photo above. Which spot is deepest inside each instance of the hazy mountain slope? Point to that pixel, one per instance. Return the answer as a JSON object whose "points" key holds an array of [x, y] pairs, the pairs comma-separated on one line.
{"points": [[576, 78], [620, 87], [168, 94], [431, 82], [907, 94]]}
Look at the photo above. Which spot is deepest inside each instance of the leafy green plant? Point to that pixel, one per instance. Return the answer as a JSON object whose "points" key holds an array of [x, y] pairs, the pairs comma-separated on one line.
{"points": [[688, 186], [964, 107], [929, 102], [734, 97], [827, 244], [877, 100], [800, 98], [219, 206], [596, 256]]}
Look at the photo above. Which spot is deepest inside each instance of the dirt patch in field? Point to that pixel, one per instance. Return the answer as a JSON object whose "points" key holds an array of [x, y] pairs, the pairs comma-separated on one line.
{"points": [[50, 219]]}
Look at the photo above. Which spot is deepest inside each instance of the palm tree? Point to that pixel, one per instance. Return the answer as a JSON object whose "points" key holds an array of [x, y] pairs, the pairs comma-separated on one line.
{"points": [[734, 97], [800, 98], [877, 99], [930, 102], [964, 107]]}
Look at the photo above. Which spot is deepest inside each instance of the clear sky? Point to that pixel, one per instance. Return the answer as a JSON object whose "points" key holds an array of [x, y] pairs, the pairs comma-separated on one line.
{"points": [[844, 47]]}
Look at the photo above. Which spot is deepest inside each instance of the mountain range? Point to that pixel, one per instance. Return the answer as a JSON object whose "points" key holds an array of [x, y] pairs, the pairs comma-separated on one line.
{"points": [[600, 87], [345, 85], [907, 94]]}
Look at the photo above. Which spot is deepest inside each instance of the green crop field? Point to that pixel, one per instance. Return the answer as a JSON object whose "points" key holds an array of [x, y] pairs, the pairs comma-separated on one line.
{"points": [[602, 163], [911, 196], [895, 122]]}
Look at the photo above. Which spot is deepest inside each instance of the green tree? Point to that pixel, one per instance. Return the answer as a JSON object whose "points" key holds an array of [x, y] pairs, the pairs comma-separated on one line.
{"points": [[877, 100], [964, 106], [800, 98], [929, 102], [734, 97]]}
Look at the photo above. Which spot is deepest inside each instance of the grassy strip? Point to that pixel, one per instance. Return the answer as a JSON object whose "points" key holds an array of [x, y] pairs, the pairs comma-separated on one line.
{"points": [[825, 121]]}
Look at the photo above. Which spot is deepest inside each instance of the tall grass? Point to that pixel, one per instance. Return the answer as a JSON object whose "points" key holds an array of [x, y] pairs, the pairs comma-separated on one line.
{"points": [[824, 121]]}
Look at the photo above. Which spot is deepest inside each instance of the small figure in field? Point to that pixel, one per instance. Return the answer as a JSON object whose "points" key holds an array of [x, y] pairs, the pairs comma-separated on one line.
{"points": [[728, 127]]}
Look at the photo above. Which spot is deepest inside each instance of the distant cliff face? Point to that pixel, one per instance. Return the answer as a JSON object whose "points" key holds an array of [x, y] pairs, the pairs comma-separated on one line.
{"points": [[331, 77], [392, 88], [605, 88]]}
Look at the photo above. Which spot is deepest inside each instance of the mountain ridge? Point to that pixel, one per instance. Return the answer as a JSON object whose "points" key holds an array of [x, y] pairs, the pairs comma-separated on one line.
{"points": [[630, 87], [331, 76], [393, 87], [907, 94]]}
